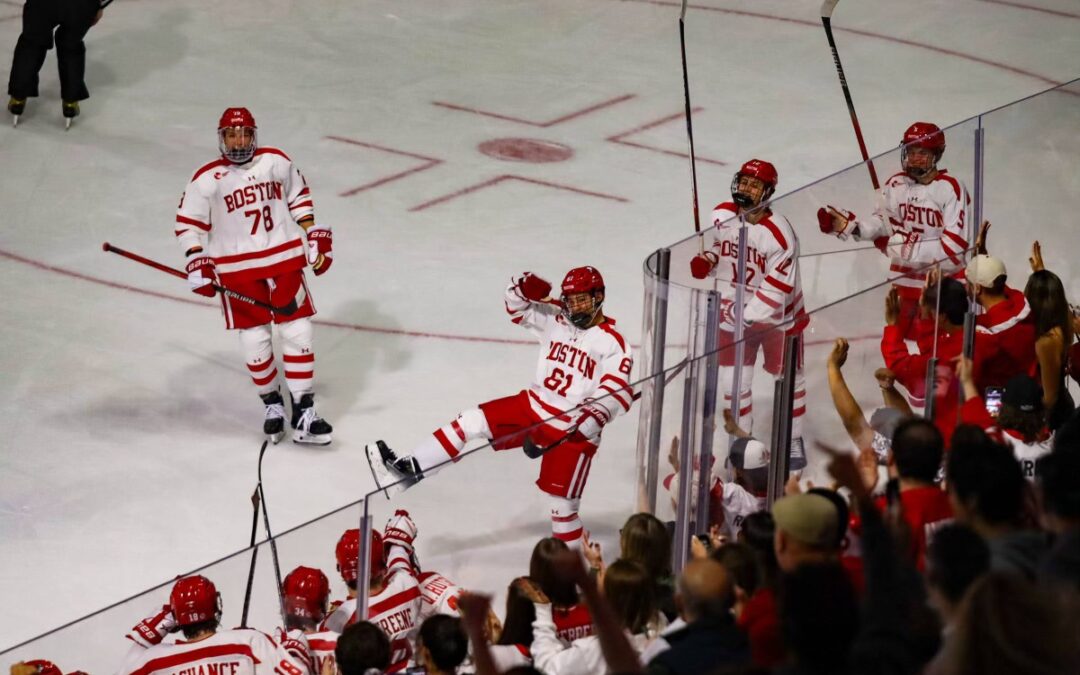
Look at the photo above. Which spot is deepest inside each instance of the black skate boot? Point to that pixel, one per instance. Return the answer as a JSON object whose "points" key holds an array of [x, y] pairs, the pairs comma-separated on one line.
{"points": [[16, 106], [71, 111], [392, 474], [798, 455], [274, 425], [309, 428]]}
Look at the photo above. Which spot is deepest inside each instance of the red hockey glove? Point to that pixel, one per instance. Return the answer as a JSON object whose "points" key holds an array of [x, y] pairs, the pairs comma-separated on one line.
{"points": [[200, 273], [400, 530], [153, 629], [295, 643], [832, 220], [320, 241], [701, 265], [590, 422], [533, 288]]}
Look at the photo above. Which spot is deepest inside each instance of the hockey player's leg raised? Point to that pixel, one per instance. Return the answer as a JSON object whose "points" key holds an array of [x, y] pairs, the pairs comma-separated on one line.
{"points": [[442, 446]]}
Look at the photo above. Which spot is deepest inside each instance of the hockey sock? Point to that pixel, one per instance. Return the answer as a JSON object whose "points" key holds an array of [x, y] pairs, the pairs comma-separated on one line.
{"points": [[259, 354], [798, 406], [565, 522], [745, 418], [448, 441], [298, 355]]}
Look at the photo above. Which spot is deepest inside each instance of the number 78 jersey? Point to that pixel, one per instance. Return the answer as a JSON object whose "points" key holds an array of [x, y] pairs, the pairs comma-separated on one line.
{"points": [[574, 366], [247, 213]]}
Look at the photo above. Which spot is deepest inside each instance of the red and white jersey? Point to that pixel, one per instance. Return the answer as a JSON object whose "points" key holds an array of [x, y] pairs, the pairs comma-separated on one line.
{"points": [[247, 214], [726, 498], [395, 609], [575, 366], [321, 645], [228, 652], [772, 289], [572, 623], [439, 595], [926, 224]]}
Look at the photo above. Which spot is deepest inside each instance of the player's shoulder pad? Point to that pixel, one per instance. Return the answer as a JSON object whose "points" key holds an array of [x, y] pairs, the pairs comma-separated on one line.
{"points": [[724, 208], [780, 229], [898, 178], [269, 150], [220, 161], [951, 180], [608, 326]]}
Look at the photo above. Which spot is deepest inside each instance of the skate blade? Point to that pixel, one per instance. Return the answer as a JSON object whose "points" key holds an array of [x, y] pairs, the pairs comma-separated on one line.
{"points": [[14, 120], [381, 474], [275, 438], [67, 123], [301, 438]]}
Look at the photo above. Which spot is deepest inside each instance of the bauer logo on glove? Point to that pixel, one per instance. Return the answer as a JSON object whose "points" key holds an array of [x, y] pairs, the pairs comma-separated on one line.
{"points": [[320, 241]]}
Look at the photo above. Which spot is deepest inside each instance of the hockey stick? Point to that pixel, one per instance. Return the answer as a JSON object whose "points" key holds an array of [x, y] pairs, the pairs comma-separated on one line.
{"points": [[827, 8], [532, 450], [270, 536], [255, 499], [689, 122], [286, 310]]}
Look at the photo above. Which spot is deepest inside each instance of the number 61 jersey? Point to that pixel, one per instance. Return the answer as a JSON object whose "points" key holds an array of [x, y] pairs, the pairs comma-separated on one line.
{"points": [[574, 365], [248, 214]]}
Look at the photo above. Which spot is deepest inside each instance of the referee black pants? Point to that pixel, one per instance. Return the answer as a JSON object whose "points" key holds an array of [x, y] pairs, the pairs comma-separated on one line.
{"points": [[70, 19]]}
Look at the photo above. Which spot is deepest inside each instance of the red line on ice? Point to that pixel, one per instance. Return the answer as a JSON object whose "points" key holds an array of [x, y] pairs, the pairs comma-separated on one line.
{"points": [[620, 138], [542, 125], [506, 177], [428, 163], [862, 33]]}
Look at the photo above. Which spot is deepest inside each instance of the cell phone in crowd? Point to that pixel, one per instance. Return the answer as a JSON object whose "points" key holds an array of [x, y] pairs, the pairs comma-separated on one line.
{"points": [[993, 400]]}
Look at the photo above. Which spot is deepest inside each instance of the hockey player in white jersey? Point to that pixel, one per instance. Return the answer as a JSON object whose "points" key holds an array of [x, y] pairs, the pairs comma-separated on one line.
{"points": [[242, 223], [772, 291], [306, 592], [394, 602], [582, 382], [195, 609], [921, 219]]}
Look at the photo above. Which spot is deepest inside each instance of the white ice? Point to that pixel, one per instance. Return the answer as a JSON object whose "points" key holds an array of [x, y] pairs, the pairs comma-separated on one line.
{"points": [[131, 426]]}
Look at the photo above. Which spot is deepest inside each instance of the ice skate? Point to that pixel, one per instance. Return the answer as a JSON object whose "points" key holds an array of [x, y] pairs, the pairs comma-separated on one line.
{"points": [[392, 474], [71, 111], [308, 427], [274, 425], [16, 106], [798, 455]]}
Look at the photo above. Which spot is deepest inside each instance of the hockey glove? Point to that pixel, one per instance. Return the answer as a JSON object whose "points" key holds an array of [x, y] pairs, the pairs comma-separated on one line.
{"points": [[320, 241], [590, 422], [153, 629], [400, 530], [533, 288], [701, 265], [200, 273], [295, 643], [832, 220]]}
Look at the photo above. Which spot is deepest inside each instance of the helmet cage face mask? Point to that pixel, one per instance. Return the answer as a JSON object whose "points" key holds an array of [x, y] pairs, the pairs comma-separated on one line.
{"points": [[917, 171], [582, 319], [745, 200], [924, 136], [238, 154]]}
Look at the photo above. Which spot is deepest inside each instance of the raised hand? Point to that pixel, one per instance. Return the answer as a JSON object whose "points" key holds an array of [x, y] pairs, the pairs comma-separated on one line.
{"points": [[838, 355], [1036, 259]]}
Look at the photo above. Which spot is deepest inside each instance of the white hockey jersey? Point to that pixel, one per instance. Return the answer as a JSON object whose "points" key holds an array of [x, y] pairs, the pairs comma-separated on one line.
{"points": [[395, 609], [924, 223], [247, 213], [772, 289], [575, 366], [322, 645], [439, 595], [235, 652]]}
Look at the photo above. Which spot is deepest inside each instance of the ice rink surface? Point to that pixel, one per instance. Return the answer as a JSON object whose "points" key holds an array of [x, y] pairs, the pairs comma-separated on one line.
{"points": [[131, 426]]}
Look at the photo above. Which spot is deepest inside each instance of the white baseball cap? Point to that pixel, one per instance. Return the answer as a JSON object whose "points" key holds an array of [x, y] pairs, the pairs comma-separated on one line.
{"points": [[983, 269], [748, 453]]}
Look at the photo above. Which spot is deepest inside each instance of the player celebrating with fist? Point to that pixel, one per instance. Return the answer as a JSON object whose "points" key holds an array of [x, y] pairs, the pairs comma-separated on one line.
{"points": [[582, 382], [237, 223], [921, 219], [772, 290]]}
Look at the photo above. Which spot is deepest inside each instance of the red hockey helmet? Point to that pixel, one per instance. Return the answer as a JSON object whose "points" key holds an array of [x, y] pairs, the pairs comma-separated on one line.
{"points": [[238, 124], [755, 168], [926, 136], [582, 280], [195, 599], [306, 592], [348, 554], [44, 667]]}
